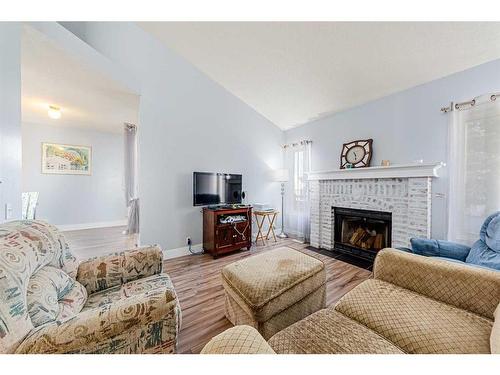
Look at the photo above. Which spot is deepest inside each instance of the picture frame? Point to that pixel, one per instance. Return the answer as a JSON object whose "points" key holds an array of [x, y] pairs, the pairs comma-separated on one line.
{"points": [[66, 159]]}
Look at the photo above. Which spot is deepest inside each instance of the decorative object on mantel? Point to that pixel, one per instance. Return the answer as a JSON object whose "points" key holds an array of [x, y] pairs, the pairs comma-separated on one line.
{"points": [[356, 154], [385, 163]]}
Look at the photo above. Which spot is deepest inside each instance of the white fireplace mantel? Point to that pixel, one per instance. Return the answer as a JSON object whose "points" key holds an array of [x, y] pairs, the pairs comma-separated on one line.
{"points": [[393, 171]]}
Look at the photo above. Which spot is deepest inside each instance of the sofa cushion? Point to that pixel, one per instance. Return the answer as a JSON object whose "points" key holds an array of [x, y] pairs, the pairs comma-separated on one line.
{"points": [[238, 340], [72, 302], [463, 263], [25, 247], [52, 294], [415, 323], [143, 287], [495, 333], [115, 269], [270, 282], [104, 297], [329, 332]]}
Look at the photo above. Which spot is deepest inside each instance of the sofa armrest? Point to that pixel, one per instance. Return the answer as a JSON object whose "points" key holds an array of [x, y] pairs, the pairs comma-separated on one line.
{"points": [[238, 340], [470, 288], [137, 324], [118, 268], [439, 248]]}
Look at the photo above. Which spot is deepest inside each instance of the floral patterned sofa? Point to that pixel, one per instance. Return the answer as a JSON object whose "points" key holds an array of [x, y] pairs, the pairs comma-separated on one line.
{"points": [[119, 303]]}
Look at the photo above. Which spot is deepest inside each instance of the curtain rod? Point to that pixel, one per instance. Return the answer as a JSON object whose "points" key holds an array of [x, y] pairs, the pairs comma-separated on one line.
{"points": [[467, 104], [295, 144]]}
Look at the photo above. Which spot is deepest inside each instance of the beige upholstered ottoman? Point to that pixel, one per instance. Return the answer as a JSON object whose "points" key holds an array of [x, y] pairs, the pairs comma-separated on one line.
{"points": [[273, 290]]}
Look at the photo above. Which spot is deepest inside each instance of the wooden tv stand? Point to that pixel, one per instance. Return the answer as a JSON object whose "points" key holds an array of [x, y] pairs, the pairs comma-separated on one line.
{"points": [[219, 238]]}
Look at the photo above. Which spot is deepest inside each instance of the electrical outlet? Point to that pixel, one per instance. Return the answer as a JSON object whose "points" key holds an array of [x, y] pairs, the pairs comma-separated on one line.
{"points": [[188, 241]]}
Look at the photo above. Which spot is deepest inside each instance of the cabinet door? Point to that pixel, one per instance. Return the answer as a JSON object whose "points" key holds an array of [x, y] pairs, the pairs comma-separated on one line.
{"points": [[242, 234], [224, 236]]}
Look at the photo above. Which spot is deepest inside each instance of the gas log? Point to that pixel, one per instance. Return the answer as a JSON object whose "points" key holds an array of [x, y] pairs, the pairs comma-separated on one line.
{"points": [[366, 239]]}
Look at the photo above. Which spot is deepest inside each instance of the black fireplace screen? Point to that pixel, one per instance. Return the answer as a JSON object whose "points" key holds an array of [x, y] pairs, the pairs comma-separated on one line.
{"points": [[361, 232]]}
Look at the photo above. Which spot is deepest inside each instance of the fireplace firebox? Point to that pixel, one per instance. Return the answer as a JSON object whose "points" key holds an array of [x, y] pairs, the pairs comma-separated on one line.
{"points": [[361, 233]]}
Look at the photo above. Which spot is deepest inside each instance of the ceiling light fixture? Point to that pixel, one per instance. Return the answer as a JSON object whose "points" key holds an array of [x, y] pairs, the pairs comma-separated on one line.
{"points": [[54, 112]]}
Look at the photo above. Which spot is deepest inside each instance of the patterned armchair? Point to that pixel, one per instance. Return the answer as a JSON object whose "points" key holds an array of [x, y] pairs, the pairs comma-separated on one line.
{"points": [[119, 303]]}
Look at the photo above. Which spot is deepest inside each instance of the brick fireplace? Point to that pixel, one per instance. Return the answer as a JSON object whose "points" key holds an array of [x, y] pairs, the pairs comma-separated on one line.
{"points": [[400, 195]]}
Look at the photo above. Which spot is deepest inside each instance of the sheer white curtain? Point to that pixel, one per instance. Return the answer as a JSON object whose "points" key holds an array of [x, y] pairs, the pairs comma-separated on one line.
{"points": [[131, 198], [474, 161], [297, 159]]}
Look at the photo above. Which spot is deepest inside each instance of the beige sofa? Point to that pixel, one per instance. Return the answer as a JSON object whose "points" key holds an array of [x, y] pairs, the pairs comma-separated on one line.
{"points": [[413, 304], [50, 303]]}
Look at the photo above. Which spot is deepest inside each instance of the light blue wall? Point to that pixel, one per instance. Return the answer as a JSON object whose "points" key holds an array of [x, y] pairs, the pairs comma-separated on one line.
{"points": [[187, 123], [68, 200], [405, 127], [10, 119]]}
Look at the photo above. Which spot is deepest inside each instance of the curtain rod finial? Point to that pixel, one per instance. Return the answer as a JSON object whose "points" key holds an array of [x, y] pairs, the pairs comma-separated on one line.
{"points": [[447, 109]]}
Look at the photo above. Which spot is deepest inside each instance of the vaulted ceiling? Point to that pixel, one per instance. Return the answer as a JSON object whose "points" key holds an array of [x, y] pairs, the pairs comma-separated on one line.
{"points": [[293, 72], [87, 98]]}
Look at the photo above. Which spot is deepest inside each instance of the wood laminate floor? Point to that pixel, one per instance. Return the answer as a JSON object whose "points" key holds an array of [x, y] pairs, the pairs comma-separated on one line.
{"points": [[197, 280], [89, 243]]}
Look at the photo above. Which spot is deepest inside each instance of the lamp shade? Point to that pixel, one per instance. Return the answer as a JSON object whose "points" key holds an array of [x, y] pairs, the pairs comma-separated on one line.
{"points": [[280, 175]]}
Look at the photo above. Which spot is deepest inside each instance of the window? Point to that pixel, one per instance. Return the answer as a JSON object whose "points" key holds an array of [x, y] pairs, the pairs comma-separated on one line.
{"points": [[297, 159], [298, 175], [474, 161]]}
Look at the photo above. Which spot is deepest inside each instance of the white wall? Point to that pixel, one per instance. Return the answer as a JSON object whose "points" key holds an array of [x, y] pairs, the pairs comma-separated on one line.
{"points": [[405, 127], [187, 123], [73, 200], [10, 119]]}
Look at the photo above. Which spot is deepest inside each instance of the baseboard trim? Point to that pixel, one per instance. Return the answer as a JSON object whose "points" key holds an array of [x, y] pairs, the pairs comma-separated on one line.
{"points": [[181, 251], [102, 224]]}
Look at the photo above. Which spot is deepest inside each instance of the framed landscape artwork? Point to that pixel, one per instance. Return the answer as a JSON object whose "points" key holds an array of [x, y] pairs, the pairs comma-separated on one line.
{"points": [[66, 159]]}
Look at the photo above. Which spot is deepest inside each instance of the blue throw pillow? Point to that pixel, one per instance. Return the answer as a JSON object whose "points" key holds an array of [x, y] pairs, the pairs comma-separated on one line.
{"points": [[482, 255], [490, 232], [486, 251], [439, 248]]}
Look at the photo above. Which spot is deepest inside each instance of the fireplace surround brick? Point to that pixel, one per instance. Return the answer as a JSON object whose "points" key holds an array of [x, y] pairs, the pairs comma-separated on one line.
{"points": [[408, 199]]}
